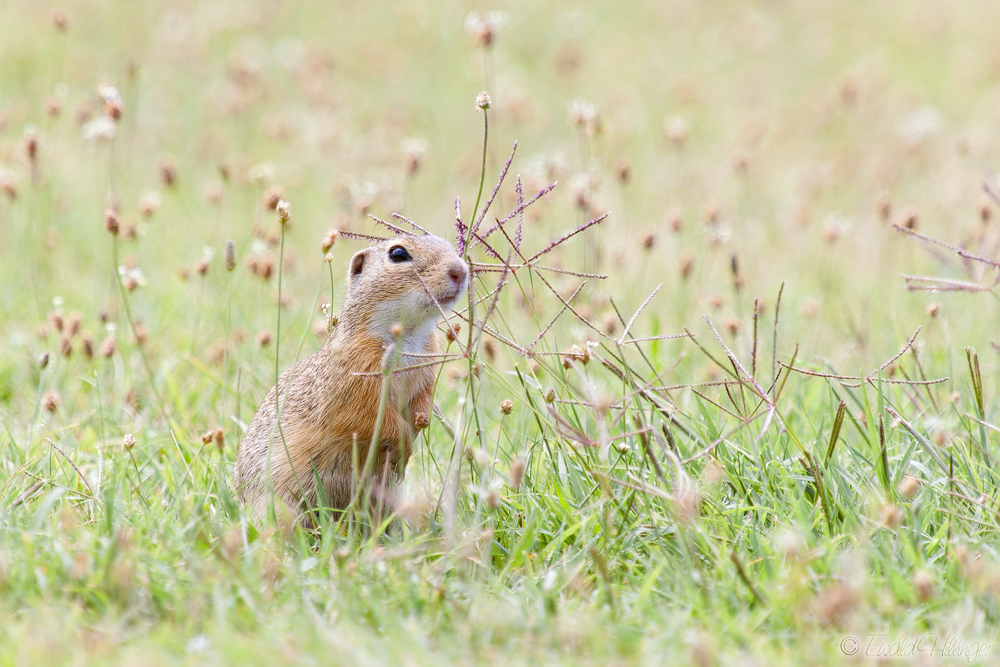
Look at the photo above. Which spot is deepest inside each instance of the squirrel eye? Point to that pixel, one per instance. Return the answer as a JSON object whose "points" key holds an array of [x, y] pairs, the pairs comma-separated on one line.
{"points": [[397, 253]]}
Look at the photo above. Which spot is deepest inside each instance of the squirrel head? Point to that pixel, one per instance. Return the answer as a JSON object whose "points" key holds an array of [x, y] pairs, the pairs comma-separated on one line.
{"points": [[408, 280]]}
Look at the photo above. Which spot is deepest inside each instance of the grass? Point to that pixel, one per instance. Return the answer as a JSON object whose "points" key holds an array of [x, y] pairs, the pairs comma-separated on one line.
{"points": [[772, 484]]}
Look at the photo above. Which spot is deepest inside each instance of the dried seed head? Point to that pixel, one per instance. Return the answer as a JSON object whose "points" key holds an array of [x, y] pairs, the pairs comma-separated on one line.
{"points": [[908, 487], [687, 264], [59, 20], [507, 406], [623, 169], [8, 185], [207, 436], [51, 400], [272, 197], [956, 397], [610, 325], [475, 370], [30, 141], [56, 319], [88, 345], [264, 338], [201, 266], [73, 322], [329, 240], [108, 346], [452, 331], [168, 171], [686, 500], [517, 469], [891, 515], [284, 210], [923, 585], [141, 334], [985, 209], [148, 204], [934, 309], [483, 101], [229, 253], [220, 438], [396, 330], [490, 348], [732, 325], [883, 206], [66, 345], [492, 498], [128, 441], [550, 396], [677, 130], [43, 360], [421, 421], [909, 216], [649, 239], [52, 106], [676, 221], [111, 222]]}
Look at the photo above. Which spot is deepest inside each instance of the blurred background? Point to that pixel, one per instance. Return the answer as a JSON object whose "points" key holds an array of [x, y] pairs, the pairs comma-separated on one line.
{"points": [[736, 146]]}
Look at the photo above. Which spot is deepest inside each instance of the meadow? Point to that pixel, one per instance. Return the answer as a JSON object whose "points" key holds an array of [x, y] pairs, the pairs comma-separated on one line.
{"points": [[729, 395]]}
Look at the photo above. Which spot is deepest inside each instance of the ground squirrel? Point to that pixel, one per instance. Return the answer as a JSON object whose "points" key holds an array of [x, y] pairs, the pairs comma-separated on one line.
{"points": [[396, 292]]}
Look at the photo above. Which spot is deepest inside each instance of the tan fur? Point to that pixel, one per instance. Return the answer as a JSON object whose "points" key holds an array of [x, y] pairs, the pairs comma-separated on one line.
{"points": [[328, 413]]}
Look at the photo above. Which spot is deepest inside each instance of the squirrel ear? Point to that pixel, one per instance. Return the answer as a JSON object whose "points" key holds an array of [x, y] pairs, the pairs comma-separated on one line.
{"points": [[358, 263]]}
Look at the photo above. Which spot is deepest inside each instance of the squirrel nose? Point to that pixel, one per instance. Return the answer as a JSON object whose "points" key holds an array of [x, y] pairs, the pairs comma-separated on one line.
{"points": [[457, 273]]}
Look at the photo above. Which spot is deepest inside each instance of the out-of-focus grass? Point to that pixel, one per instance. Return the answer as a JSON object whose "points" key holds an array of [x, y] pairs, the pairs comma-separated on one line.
{"points": [[770, 138]]}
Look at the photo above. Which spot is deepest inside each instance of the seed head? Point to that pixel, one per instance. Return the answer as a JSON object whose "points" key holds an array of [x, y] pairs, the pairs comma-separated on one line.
{"points": [[8, 185], [483, 101], [128, 441], [51, 400], [908, 487], [88, 345], [284, 210], [687, 264], [517, 468], [909, 216], [111, 222], [550, 396], [923, 585], [892, 516], [507, 406], [59, 20], [66, 345], [396, 330], [934, 309], [30, 141], [108, 346], [168, 171], [229, 253], [452, 331], [492, 498], [43, 360], [649, 239], [272, 197], [623, 168], [329, 240], [264, 338]]}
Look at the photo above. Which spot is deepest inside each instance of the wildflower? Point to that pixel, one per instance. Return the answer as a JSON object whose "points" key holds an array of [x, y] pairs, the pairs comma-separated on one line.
{"points": [[483, 101], [934, 309], [908, 487], [421, 421], [43, 360], [100, 129], [584, 115], [149, 203], [128, 441], [88, 345], [30, 141], [507, 406], [264, 338], [452, 331], [66, 346]]}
